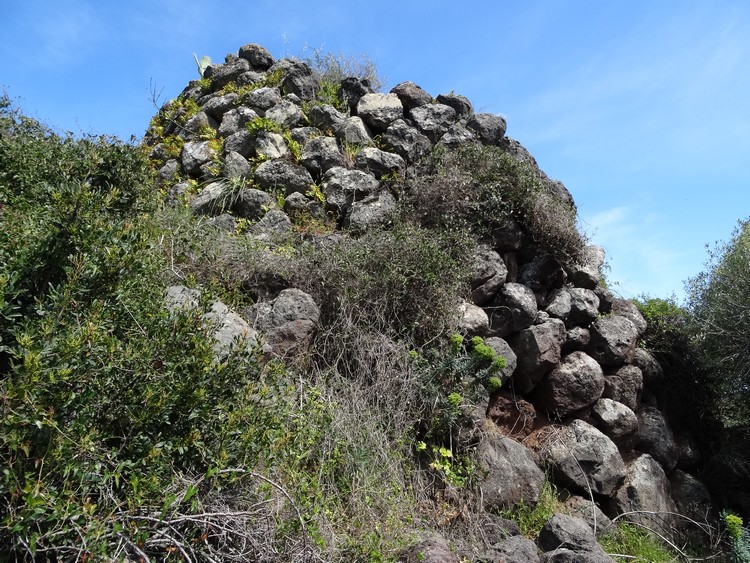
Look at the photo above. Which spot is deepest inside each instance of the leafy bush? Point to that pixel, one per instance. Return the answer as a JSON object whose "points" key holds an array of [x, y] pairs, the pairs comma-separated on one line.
{"points": [[718, 300], [477, 188]]}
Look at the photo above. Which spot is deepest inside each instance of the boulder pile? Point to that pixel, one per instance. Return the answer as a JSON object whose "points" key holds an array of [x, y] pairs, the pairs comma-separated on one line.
{"points": [[255, 140]]}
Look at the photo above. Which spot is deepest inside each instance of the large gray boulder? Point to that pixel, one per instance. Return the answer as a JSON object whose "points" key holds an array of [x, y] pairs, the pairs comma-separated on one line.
{"points": [[258, 57], [353, 131], [567, 532], [380, 163], [194, 125], [283, 176], [576, 340], [252, 204], [692, 499], [298, 78], [274, 224], [212, 200], [489, 128], [235, 120], [655, 437], [236, 167], [564, 555], [411, 95], [351, 91], [513, 309], [577, 382], [223, 74], [434, 120], [587, 511], [653, 373], [378, 111], [585, 459], [614, 419], [538, 349], [217, 106], [459, 103], [584, 307], [263, 99], [646, 496], [195, 154], [517, 549], [372, 211], [343, 186], [225, 327], [625, 386], [287, 322], [229, 331], [431, 550], [629, 310], [325, 117], [321, 154], [613, 340], [286, 113], [473, 321], [406, 141], [240, 142], [266, 144], [559, 304], [587, 274], [510, 474], [456, 136], [488, 274], [542, 273]]}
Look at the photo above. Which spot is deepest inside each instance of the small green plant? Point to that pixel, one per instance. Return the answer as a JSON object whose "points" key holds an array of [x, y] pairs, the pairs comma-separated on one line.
{"points": [[262, 124], [628, 542], [295, 148], [351, 150], [203, 63], [316, 193], [531, 518], [738, 538]]}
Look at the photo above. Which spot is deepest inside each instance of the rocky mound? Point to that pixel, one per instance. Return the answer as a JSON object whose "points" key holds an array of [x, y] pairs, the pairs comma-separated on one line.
{"points": [[276, 146]]}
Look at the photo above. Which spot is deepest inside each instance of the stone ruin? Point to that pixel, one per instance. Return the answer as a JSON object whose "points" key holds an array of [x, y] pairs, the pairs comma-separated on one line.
{"points": [[578, 398]]}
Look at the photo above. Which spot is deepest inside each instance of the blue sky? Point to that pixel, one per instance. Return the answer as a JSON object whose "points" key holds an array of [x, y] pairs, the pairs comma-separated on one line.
{"points": [[641, 108]]}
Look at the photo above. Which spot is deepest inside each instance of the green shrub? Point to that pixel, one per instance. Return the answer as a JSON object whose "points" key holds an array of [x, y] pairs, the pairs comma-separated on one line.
{"points": [[477, 188], [531, 519]]}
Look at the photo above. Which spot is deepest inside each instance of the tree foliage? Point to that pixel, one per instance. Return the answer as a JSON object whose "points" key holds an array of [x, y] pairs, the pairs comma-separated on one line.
{"points": [[719, 300]]}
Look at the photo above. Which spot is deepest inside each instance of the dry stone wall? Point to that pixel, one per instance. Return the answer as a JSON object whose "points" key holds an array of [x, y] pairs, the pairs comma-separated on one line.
{"points": [[255, 140]]}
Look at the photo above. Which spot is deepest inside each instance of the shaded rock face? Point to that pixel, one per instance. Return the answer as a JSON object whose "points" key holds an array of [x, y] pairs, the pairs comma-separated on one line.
{"points": [[517, 549], [488, 276], [513, 309], [584, 458], [510, 473], [538, 350], [655, 437], [567, 532], [287, 322], [646, 493]]}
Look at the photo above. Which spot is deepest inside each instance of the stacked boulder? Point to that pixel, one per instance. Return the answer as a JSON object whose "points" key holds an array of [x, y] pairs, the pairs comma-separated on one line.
{"points": [[576, 399]]}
